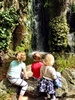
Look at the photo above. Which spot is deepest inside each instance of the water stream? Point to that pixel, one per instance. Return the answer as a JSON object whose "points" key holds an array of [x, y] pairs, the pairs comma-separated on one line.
{"points": [[71, 42], [41, 31], [71, 35], [38, 35]]}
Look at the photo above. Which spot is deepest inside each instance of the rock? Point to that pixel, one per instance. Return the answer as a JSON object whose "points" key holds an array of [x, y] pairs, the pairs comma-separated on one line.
{"points": [[67, 92], [32, 90], [62, 91], [69, 75], [1, 62]]}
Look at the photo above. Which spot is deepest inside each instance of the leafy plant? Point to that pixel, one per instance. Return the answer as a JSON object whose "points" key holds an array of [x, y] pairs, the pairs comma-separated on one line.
{"points": [[64, 61], [59, 31], [25, 45], [8, 20], [73, 8], [4, 38]]}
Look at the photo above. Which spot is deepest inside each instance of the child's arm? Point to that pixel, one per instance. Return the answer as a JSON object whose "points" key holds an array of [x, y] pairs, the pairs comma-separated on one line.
{"points": [[25, 73], [41, 72], [54, 76]]}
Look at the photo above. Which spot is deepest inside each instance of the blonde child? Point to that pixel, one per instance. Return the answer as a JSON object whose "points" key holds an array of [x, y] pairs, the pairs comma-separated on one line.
{"points": [[36, 65], [14, 73], [48, 74]]}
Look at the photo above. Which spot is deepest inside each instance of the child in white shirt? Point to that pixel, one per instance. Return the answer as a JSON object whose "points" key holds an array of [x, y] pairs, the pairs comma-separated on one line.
{"points": [[48, 74]]}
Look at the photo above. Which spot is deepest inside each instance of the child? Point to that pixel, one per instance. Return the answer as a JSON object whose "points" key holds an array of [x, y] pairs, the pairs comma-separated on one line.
{"points": [[36, 65], [48, 74], [14, 73]]}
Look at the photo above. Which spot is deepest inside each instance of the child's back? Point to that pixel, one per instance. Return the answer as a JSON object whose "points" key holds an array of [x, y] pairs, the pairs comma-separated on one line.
{"points": [[36, 65]]}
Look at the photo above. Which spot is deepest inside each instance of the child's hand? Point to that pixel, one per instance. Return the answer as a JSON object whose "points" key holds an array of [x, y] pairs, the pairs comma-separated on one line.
{"points": [[29, 74], [27, 78]]}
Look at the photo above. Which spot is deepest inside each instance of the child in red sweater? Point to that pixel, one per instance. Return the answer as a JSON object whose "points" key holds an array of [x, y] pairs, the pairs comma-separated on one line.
{"points": [[36, 65]]}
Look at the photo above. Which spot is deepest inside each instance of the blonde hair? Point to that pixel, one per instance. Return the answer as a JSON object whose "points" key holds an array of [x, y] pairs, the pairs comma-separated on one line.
{"points": [[22, 55], [48, 60]]}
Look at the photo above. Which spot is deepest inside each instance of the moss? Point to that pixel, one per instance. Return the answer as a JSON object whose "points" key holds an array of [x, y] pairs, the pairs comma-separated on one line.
{"points": [[60, 29]]}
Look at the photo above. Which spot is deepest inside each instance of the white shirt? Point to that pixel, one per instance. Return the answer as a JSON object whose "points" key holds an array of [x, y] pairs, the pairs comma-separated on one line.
{"points": [[48, 72]]}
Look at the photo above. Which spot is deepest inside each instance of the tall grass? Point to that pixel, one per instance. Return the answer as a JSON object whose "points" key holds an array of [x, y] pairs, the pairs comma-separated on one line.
{"points": [[64, 61]]}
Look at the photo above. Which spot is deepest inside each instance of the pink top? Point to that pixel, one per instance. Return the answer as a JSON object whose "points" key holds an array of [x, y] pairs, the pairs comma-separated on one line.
{"points": [[35, 67]]}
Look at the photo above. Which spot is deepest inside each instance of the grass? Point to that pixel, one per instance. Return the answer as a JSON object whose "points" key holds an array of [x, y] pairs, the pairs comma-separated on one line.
{"points": [[64, 61]]}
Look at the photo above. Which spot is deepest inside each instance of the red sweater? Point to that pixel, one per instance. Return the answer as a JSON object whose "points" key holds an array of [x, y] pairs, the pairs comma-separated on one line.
{"points": [[35, 67]]}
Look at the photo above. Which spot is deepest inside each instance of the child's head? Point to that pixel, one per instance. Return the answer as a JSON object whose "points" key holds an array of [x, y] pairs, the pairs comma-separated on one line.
{"points": [[48, 60], [21, 56], [37, 56]]}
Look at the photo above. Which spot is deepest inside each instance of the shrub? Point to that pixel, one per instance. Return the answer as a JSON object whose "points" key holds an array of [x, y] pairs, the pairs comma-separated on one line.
{"points": [[8, 20], [59, 31], [64, 61]]}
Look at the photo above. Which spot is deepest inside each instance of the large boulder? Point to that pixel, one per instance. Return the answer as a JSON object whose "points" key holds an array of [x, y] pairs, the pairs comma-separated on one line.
{"points": [[67, 92]]}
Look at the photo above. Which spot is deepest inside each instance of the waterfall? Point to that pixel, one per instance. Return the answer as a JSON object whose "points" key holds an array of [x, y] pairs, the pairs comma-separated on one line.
{"points": [[71, 35], [38, 37], [71, 42]]}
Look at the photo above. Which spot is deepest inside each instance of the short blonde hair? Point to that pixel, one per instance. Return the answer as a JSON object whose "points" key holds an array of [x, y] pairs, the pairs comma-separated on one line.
{"points": [[48, 60], [22, 55]]}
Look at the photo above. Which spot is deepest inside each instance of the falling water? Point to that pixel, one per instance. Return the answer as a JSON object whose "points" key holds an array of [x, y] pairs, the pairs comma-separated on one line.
{"points": [[71, 35], [71, 42], [38, 34]]}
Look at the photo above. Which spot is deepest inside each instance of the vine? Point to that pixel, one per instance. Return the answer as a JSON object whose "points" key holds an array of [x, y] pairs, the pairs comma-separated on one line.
{"points": [[59, 33], [8, 20], [28, 21]]}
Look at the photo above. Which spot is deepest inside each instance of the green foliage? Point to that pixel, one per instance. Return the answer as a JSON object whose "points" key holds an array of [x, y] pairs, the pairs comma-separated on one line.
{"points": [[59, 33], [4, 38], [3, 97], [64, 61], [8, 20], [48, 4], [1, 5], [25, 45], [73, 8], [30, 17]]}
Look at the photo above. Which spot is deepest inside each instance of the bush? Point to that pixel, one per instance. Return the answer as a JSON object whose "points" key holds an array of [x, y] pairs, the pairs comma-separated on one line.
{"points": [[64, 61], [59, 32], [8, 20]]}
